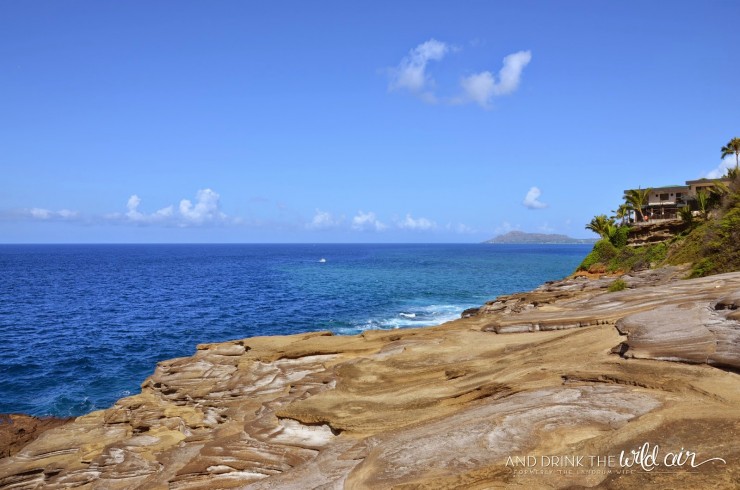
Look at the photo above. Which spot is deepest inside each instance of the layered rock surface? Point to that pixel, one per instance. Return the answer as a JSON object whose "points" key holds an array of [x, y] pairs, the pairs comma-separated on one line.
{"points": [[567, 369], [18, 430]]}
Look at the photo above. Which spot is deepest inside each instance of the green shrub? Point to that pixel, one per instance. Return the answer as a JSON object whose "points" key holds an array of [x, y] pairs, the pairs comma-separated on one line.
{"points": [[687, 216], [618, 285], [719, 251], [637, 258], [703, 267], [625, 258], [618, 237], [688, 248], [603, 252]]}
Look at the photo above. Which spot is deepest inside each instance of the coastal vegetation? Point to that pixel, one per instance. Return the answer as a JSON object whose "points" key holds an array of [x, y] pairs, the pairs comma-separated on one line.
{"points": [[636, 199], [705, 235], [732, 148], [618, 285]]}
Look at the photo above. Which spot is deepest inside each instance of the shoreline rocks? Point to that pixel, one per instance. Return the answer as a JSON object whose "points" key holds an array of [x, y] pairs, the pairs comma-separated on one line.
{"points": [[17, 430], [568, 368]]}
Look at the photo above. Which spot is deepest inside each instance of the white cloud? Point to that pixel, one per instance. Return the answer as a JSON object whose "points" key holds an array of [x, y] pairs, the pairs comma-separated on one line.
{"points": [[133, 205], [531, 200], [67, 214], [133, 214], [727, 162], [410, 74], [479, 87], [40, 213], [367, 221], [205, 210], [323, 220], [420, 224], [511, 73], [46, 214], [482, 87]]}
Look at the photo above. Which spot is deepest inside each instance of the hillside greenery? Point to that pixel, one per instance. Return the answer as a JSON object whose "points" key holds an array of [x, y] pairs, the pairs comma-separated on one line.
{"points": [[710, 241]]}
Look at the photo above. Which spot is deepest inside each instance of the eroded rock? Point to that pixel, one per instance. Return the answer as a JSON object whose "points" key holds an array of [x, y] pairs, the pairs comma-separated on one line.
{"points": [[437, 407]]}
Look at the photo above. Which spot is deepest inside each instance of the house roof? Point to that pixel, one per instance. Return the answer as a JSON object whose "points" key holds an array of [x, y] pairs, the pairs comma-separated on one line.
{"points": [[707, 181], [689, 183], [664, 188]]}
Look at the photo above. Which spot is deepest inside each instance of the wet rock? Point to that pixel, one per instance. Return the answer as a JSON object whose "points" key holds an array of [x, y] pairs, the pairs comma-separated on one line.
{"points": [[469, 312]]}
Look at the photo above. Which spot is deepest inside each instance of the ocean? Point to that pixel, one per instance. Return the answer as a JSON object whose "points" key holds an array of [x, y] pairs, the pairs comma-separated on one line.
{"points": [[84, 325]]}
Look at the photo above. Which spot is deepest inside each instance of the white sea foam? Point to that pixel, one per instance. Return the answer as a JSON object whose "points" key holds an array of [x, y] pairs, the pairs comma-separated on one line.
{"points": [[414, 317]]}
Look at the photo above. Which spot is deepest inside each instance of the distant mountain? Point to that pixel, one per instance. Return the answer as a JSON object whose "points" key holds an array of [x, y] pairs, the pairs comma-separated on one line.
{"points": [[520, 237]]}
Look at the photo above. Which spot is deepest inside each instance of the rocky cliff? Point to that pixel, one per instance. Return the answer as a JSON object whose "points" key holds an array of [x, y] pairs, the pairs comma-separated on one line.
{"points": [[549, 389]]}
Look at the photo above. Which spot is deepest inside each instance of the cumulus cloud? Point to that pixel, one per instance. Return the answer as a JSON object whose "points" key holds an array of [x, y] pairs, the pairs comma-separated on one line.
{"points": [[419, 224], [205, 210], [367, 222], [727, 162], [133, 213], [479, 87], [531, 200], [323, 220], [410, 74], [482, 87]]}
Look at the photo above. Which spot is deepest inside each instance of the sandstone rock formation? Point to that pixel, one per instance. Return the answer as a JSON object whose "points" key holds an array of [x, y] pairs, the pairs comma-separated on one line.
{"points": [[18, 430], [655, 232], [568, 369]]}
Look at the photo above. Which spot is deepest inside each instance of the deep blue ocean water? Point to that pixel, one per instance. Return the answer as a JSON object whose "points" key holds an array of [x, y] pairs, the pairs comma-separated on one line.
{"points": [[83, 325]]}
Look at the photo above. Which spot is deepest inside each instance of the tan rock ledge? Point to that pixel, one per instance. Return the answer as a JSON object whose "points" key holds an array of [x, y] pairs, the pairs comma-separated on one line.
{"points": [[450, 406]]}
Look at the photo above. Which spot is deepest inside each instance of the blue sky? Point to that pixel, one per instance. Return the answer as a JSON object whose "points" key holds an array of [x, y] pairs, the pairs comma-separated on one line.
{"points": [[352, 121]]}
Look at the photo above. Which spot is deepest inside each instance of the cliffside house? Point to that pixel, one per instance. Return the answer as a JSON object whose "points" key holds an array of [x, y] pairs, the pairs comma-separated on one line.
{"points": [[664, 202]]}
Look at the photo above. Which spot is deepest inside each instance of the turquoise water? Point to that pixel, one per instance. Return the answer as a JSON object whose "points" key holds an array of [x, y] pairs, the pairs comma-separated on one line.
{"points": [[83, 325]]}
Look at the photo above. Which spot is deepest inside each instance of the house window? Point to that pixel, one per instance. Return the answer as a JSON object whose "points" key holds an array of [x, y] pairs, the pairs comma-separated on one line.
{"points": [[664, 197], [678, 194]]}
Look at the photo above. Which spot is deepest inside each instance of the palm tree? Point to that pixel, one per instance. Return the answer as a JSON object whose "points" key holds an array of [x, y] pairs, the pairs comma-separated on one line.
{"points": [[601, 225], [718, 191], [623, 212], [637, 198], [732, 148], [702, 199]]}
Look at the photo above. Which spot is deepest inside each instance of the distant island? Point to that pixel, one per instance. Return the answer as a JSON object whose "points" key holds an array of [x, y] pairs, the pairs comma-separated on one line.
{"points": [[520, 237]]}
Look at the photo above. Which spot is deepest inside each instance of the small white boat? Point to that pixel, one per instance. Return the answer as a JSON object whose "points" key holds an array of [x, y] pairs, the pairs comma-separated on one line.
{"points": [[323, 260]]}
